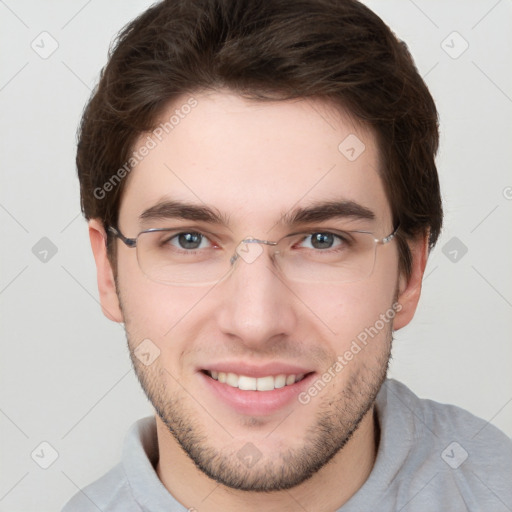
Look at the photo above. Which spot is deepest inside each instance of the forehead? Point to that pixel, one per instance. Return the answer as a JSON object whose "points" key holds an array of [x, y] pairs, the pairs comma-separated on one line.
{"points": [[254, 161]]}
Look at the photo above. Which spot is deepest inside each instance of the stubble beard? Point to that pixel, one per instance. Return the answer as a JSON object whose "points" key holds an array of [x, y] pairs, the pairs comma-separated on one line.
{"points": [[335, 422]]}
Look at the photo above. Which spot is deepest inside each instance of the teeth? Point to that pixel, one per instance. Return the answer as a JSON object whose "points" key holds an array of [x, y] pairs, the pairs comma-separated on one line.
{"points": [[245, 383], [263, 383], [280, 381], [232, 380]]}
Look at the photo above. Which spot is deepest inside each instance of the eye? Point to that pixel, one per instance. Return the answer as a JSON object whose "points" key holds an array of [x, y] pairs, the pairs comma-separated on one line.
{"points": [[322, 241], [189, 240]]}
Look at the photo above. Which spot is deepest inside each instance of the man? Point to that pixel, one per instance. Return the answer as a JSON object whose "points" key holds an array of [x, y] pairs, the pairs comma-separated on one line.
{"points": [[262, 196]]}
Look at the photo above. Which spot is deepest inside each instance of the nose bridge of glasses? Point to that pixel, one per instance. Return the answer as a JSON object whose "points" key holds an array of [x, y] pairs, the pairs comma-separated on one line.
{"points": [[250, 253], [250, 240]]}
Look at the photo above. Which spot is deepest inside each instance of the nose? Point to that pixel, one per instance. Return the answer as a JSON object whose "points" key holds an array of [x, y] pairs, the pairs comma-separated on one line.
{"points": [[256, 305]]}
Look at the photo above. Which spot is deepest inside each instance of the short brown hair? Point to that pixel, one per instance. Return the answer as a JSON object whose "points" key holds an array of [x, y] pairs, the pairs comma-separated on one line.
{"points": [[337, 50]]}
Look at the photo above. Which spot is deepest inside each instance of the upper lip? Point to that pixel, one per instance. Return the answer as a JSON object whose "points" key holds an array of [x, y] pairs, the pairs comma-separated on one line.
{"points": [[249, 370]]}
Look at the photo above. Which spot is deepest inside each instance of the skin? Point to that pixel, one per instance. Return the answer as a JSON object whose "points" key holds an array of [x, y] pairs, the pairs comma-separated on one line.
{"points": [[275, 156]]}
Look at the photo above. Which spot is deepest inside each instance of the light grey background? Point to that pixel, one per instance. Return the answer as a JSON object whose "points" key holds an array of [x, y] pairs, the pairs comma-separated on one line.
{"points": [[66, 377]]}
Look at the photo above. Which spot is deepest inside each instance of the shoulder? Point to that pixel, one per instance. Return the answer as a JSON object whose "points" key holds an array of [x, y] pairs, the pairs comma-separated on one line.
{"points": [[132, 485], [441, 420], [110, 493], [446, 452]]}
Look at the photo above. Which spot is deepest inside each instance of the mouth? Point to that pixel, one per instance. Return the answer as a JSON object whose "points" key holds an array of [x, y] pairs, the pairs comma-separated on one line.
{"points": [[256, 391], [246, 383]]}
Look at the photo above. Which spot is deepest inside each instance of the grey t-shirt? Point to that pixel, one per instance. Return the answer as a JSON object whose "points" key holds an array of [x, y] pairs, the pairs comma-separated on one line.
{"points": [[431, 458]]}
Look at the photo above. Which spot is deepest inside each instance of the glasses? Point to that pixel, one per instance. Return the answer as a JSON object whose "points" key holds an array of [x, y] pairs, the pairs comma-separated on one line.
{"points": [[188, 257]]}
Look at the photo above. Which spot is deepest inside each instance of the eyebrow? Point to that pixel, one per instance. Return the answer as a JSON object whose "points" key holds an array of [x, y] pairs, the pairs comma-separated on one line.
{"points": [[173, 209], [317, 212], [327, 210]]}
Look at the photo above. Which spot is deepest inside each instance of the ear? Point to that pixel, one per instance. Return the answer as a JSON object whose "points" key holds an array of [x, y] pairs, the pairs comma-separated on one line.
{"points": [[105, 276], [409, 290]]}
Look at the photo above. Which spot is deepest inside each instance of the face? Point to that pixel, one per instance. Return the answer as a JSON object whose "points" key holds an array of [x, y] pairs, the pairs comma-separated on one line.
{"points": [[256, 164]]}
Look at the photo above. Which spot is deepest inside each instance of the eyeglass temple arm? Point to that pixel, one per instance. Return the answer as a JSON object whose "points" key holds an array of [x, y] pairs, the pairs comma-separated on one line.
{"points": [[130, 242], [390, 237]]}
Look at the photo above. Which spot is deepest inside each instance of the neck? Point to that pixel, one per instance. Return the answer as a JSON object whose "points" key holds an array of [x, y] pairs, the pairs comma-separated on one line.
{"points": [[327, 490]]}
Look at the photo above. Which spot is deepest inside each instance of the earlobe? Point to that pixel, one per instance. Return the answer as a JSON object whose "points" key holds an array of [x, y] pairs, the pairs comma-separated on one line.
{"points": [[105, 276], [409, 290]]}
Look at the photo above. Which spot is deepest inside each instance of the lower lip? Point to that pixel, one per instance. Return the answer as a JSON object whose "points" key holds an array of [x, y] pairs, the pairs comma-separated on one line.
{"points": [[256, 403]]}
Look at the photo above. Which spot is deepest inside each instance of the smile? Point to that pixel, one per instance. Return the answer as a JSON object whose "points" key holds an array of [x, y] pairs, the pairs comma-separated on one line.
{"points": [[245, 383]]}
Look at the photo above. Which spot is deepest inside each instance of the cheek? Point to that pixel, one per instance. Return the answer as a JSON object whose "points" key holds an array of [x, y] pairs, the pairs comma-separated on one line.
{"points": [[347, 310], [157, 312], [350, 311]]}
